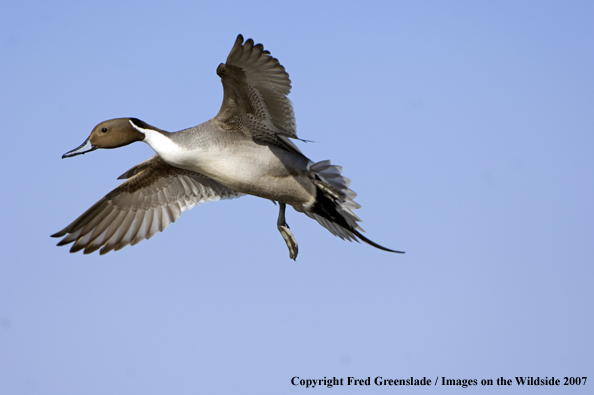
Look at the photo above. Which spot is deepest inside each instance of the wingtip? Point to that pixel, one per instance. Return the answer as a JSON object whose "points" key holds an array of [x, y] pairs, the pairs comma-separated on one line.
{"points": [[61, 233]]}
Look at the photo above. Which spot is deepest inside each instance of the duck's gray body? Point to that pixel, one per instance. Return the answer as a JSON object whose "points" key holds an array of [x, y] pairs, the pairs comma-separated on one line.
{"points": [[232, 159], [245, 149]]}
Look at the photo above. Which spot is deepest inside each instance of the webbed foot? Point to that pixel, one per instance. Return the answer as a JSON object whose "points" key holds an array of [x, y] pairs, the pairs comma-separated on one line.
{"points": [[285, 232]]}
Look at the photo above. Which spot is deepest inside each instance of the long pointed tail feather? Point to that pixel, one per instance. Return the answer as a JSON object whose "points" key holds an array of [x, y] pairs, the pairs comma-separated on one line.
{"points": [[371, 243], [334, 204]]}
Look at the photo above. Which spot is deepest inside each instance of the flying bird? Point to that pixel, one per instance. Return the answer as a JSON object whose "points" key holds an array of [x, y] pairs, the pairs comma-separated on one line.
{"points": [[244, 150]]}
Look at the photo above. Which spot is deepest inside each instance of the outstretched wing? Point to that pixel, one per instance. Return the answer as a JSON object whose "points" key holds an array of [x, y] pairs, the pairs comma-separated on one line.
{"points": [[255, 94], [153, 197]]}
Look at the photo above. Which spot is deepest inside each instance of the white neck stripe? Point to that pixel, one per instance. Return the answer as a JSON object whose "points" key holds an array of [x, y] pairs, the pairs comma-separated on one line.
{"points": [[141, 130], [163, 145]]}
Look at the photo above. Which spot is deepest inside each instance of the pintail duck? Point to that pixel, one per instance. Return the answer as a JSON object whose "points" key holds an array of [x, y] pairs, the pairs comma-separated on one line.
{"points": [[244, 149]]}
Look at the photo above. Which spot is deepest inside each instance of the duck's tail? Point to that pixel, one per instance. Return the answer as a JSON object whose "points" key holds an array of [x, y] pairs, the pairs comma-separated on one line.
{"points": [[334, 204]]}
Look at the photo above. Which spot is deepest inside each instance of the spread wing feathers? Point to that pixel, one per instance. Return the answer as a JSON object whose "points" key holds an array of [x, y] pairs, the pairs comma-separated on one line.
{"points": [[154, 195], [255, 93]]}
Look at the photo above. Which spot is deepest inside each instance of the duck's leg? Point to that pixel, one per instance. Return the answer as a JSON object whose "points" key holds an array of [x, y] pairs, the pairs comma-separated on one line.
{"points": [[283, 228]]}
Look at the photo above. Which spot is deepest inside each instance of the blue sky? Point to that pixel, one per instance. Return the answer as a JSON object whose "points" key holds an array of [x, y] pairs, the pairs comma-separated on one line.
{"points": [[466, 127]]}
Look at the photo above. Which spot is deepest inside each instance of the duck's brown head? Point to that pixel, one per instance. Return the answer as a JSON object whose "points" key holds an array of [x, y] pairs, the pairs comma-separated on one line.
{"points": [[113, 133]]}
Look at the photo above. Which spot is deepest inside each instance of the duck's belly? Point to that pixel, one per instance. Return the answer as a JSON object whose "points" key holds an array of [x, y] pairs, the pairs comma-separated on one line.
{"points": [[260, 170]]}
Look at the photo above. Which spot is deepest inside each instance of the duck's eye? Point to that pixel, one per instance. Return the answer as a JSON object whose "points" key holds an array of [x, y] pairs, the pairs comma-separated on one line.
{"points": [[104, 130]]}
